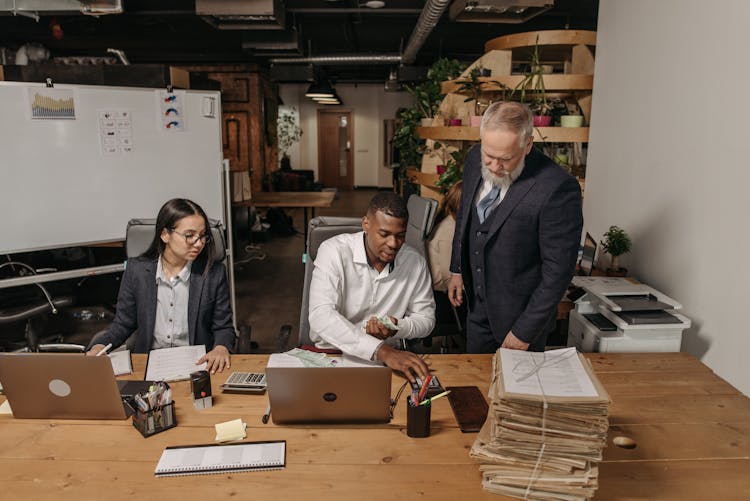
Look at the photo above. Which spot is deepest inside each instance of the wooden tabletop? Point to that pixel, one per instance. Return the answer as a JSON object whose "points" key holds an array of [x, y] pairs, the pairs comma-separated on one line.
{"points": [[690, 426], [290, 199]]}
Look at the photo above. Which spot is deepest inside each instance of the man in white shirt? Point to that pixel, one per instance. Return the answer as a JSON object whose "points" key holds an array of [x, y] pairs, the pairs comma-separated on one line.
{"points": [[361, 276]]}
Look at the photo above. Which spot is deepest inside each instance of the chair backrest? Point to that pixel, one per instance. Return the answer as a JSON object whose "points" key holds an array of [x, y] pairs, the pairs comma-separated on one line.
{"points": [[320, 229], [422, 212], [140, 233]]}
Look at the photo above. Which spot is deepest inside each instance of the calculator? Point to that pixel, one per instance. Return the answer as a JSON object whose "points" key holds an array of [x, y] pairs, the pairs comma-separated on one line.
{"points": [[433, 388], [245, 382]]}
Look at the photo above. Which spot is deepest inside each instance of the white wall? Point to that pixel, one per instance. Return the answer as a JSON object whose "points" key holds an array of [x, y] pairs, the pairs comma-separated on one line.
{"points": [[370, 105], [667, 161]]}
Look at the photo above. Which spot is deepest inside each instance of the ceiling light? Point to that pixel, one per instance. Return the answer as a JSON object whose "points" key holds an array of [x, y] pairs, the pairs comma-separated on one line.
{"points": [[320, 89], [374, 4]]}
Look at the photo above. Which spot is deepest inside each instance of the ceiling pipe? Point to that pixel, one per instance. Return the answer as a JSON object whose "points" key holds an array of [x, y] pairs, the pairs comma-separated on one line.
{"points": [[354, 59], [427, 21]]}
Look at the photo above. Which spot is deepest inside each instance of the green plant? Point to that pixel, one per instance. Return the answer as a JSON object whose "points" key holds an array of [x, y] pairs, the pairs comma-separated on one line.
{"points": [[452, 171], [533, 83], [472, 85], [289, 131], [616, 243]]}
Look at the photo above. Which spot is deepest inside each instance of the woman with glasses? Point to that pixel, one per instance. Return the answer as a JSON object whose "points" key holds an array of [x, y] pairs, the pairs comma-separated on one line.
{"points": [[174, 294]]}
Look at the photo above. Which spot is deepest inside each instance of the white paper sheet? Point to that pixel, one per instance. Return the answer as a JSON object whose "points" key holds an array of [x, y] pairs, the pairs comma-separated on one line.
{"points": [[174, 364], [121, 362], [554, 373]]}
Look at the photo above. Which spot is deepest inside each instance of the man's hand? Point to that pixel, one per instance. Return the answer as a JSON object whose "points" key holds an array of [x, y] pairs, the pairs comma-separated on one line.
{"points": [[378, 330], [403, 361], [95, 350], [511, 342], [456, 290], [216, 359]]}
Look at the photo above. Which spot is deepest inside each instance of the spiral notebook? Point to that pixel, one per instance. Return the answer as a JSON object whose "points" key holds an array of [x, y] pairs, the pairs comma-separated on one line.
{"points": [[208, 459]]}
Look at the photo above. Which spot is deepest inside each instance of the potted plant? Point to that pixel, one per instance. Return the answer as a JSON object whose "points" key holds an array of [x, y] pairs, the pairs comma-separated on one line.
{"points": [[573, 116], [616, 243], [472, 86], [427, 94], [452, 170], [289, 133], [533, 83]]}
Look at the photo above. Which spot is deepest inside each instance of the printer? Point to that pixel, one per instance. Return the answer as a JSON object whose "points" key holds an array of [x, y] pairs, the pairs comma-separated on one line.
{"points": [[616, 315]]}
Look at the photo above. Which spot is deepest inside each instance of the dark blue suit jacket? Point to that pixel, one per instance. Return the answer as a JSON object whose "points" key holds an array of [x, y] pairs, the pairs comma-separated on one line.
{"points": [[532, 245], [209, 309]]}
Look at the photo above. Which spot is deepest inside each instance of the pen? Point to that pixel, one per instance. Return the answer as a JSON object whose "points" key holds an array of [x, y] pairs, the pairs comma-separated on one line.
{"points": [[439, 395], [424, 388], [267, 414], [104, 350]]}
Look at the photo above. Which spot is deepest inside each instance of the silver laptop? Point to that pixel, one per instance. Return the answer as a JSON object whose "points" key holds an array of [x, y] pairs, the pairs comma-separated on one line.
{"points": [[60, 386], [329, 395]]}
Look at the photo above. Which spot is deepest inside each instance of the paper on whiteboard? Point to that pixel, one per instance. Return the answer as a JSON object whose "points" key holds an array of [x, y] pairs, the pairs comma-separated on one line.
{"points": [[554, 373], [174, 364]]}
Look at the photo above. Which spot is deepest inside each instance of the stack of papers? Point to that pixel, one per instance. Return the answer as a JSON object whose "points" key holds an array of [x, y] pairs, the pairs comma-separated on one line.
{"points": [[231, 431], [546, 427]]}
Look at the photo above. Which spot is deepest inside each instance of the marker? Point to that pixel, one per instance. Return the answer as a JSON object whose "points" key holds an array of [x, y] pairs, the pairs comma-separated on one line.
{"points": [[267, 414], [439, 395], [425, 384], [104, 350]]}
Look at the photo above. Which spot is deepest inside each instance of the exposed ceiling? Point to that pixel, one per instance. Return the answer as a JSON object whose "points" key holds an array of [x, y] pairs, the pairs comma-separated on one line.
{"points": [[172, 32]]}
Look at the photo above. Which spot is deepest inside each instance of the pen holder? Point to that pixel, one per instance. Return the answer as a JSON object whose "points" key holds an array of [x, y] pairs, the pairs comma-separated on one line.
{"points": [[156, 420], [417, 420]]}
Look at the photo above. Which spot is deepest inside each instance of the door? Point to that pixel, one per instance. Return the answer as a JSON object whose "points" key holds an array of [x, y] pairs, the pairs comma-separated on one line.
{"points": [[335, 159]]}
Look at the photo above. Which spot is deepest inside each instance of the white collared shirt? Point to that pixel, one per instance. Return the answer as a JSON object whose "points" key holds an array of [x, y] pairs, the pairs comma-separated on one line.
{"points": [[171, 326], [345, 291]]}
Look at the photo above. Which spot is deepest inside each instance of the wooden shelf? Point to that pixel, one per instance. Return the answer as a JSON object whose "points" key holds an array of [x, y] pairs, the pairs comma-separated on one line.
{"points": [[551, 83], [541, 134], [549, 37], [428, 179]]}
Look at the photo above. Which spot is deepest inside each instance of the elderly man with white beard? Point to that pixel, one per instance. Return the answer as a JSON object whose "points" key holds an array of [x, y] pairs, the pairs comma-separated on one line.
{"points": [[517, 235]]}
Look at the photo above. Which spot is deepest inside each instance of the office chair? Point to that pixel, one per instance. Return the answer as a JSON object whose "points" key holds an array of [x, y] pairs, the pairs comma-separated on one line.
{"points": [[138, 236], [422, 212], [320, 229], [34, 315]]}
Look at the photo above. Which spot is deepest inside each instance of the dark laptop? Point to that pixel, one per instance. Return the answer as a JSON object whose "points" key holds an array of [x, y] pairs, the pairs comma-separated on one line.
{"points": [[587, 258], [329, 394]]}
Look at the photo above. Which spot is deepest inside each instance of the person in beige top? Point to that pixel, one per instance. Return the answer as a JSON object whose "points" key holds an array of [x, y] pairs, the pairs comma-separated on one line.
{"points": [[440, 243]]}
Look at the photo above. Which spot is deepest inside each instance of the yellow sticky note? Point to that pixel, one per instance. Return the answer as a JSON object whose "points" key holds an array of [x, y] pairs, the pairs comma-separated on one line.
{"points": [[230, 430]]}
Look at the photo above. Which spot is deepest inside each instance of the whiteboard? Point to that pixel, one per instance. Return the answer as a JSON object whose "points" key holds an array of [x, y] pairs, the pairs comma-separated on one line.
{"points": [[59, 188]]}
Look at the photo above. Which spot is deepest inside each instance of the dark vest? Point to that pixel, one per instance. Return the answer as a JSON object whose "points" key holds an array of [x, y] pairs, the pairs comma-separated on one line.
{"points": [[477, 239]]}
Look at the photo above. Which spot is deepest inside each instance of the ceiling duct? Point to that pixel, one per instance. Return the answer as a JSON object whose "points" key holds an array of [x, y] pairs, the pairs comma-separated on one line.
{"points": [[35, 8], [340, 60], [498, 11], [242, 14], [271, 43], [429, 17]]}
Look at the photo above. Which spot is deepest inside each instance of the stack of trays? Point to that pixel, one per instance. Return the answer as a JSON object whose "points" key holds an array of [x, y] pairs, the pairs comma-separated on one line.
{"points": [[546, 427]]}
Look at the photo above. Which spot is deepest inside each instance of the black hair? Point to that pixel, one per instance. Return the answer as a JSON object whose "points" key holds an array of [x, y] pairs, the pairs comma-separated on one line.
{"points": [[169, 214], [389, 204]]}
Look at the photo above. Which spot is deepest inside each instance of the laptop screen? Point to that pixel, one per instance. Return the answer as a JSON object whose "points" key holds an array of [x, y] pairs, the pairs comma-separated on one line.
{"points": [[589, 253]]}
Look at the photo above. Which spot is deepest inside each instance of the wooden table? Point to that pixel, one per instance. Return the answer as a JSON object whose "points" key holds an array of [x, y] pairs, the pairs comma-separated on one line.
{"points": [[291, 199], [690, 426]]}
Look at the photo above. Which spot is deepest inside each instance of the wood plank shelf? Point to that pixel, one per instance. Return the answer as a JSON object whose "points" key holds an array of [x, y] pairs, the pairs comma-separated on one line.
{"points": [[428, 179], [552, 82], [541, 134]]}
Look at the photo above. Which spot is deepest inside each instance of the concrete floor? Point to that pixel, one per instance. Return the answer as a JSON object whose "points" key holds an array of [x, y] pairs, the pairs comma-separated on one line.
{"points": [[269, 291]]}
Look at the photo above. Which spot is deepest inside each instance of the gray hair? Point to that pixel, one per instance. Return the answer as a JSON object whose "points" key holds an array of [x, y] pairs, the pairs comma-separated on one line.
{"points": [[509, 115]]}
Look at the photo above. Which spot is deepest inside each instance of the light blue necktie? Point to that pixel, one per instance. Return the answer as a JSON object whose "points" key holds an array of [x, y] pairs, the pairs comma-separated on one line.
{"points": [[484, 206]]}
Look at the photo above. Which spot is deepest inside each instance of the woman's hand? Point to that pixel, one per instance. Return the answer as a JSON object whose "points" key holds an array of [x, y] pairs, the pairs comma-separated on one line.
{"points": [[216, 359]]}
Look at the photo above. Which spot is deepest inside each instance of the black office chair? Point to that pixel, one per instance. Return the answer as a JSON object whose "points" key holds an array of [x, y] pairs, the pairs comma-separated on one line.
{"points": [[35, 313]]}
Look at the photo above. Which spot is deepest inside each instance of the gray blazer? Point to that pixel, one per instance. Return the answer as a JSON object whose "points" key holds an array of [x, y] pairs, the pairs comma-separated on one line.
{"points": [[531, 248], [209, 310]]}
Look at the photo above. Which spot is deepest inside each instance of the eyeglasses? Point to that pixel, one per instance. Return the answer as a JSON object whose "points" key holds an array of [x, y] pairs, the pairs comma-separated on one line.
{"points": [[193, 238]]}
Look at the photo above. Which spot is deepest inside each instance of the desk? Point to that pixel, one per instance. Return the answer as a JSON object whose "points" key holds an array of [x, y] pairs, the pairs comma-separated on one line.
{"points": [[291, 199], [692, 430]]}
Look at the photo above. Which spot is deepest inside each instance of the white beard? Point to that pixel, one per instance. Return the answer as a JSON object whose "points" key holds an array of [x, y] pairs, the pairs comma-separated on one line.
{"points": [[503, 181]]}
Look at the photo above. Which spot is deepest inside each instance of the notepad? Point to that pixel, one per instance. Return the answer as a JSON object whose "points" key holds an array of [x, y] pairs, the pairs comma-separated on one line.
{"points": [[209, 459], [230, 431], [121, 363], [174, 364]]}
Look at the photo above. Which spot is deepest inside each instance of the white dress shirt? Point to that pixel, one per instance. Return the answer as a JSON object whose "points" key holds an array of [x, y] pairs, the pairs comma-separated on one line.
{"points": [[346, 291], [171, 326]]}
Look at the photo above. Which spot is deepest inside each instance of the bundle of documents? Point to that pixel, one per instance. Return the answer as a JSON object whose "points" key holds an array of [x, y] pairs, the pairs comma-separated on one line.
{"points": [[546, 427]]}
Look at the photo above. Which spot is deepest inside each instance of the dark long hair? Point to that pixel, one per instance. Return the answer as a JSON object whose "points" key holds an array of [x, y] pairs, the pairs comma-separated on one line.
{"points": [[169, 214]]}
